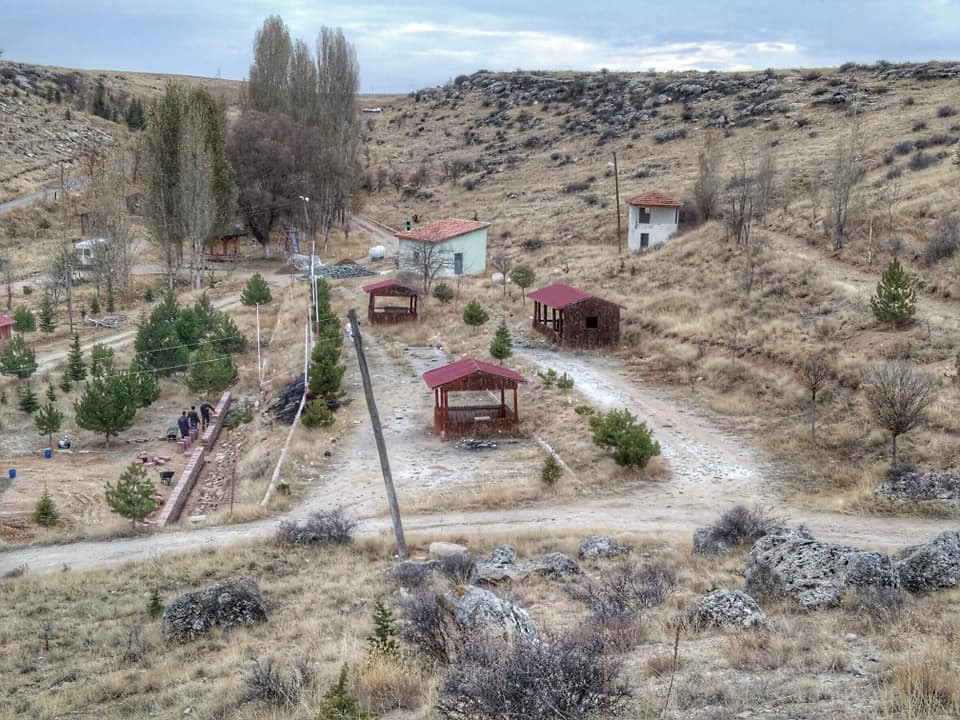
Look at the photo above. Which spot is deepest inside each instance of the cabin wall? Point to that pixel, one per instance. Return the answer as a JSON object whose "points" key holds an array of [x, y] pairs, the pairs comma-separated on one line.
{"points": [[576, 324]]}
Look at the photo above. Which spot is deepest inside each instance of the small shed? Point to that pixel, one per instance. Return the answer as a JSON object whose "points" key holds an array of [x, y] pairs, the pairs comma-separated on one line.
{"points": [[226, 245], [452, 247], [389, 314], [652, 219], [6, 327], [572, 317], [479, 416]]}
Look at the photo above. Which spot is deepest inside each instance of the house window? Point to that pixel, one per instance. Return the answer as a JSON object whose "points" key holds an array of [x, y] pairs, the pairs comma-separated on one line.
{"points": [[644, 240], [593, 322], [458, 263], [643, 216]]}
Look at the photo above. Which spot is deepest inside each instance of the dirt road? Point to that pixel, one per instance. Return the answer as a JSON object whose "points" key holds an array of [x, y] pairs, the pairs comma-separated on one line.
{"points": [[712, 471]]}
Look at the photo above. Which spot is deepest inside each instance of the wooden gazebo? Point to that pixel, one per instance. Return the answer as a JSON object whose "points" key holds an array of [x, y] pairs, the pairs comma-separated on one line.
{"points": [[572, 317], [481, 418], [392, 288], [226, 246]]}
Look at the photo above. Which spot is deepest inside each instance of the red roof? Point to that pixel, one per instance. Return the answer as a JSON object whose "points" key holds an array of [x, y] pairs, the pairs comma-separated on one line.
{"points": [[559, 295], [387, 284], [442, 230], [654, 199], [6, 320], [464, 368]]}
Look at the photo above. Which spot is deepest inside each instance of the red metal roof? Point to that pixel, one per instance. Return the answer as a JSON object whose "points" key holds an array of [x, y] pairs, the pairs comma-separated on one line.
{"points": [[559, 295], [6, 320], [442, 230], [464, 368], [391, 283], [654, 199]]}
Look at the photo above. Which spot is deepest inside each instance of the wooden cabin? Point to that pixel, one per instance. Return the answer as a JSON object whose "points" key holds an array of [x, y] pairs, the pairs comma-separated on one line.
{"points": [[6, 328], [405, 311], [575, 318], [226, 246], [479, 416]]}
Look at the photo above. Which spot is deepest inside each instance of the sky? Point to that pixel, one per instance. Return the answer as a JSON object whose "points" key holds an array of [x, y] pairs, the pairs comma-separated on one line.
{"points": [[402, 46]]}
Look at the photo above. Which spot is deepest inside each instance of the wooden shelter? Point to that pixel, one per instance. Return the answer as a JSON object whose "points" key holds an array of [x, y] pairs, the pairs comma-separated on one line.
{"points": [[479, 418], [225, 246], [389, 314], [572, 317], [6, 327]]}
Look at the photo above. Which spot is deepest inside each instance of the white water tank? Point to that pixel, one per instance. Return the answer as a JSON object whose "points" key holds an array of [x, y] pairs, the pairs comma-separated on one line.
{"points": [[378, 252]]}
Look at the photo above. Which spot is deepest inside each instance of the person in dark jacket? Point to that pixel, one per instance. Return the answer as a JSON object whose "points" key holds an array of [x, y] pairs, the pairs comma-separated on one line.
{"points": [[184, 424], [193, 418], [206, 412]]}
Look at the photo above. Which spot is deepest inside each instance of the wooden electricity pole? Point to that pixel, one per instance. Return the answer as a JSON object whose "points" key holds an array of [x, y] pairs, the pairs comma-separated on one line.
{"points": [[616, 183], [378, 435]]}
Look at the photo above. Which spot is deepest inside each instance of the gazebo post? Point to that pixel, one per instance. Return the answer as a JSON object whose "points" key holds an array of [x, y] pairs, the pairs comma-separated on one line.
{"points": [[516, 414], [503, 402]]}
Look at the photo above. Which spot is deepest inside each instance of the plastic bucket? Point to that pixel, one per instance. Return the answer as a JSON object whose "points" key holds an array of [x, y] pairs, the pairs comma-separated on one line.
{"points": [[48, 453], [12, 473]]}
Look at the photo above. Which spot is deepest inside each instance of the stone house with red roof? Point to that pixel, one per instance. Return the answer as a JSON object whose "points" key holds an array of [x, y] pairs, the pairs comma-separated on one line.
{"points": [[457, 247], [652, 219]]}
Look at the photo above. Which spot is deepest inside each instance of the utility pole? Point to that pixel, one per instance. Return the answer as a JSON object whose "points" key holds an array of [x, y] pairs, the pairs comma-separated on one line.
{"points": [[616, 182], [66, 247], [313, 253], [259, 365], [378, 435]]}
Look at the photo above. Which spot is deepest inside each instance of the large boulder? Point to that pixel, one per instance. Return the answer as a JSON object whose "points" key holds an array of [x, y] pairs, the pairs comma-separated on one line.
{"points": [[918, 486], [726, 608], [555, 564], [502, 555], [932, 566], [481, 612], [225, 605], [598, 546], [706, 542], [440, 550], [816, 574]]}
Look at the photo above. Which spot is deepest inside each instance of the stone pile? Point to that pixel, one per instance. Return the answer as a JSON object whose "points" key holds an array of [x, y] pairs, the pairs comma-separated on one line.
{"points": [[285, 404]]}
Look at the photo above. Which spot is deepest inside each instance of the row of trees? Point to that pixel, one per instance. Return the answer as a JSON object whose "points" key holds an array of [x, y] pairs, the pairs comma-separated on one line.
{"points": [[325, 371]]}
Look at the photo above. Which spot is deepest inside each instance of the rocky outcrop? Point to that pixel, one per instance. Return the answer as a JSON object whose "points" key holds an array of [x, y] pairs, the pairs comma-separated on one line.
{"points": [[555, 564], [502, 566], [726, 608], [599, 546], [932, 566], [481, 612], [918, 486], [816, 574], [706, 542], [502, 555], [225, 605]]}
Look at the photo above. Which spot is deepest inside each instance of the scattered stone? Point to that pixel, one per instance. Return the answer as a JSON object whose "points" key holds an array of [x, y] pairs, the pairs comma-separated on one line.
{"points": [[225, 605], [410, 573], [439, 550], [487, 574], [918, 486], [932, 566], [816, 574], [598, 546], [555, 564], [705, 542], [502, 555], [482, 612], [727, 608]]}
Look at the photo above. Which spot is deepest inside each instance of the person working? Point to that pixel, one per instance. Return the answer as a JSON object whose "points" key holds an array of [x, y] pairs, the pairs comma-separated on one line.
{"points": [[206, 412], [184, 424], [193, 418]]}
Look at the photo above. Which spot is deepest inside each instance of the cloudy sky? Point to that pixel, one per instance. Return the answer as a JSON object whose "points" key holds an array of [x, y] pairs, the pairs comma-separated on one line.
{"points": [[405, 45]]}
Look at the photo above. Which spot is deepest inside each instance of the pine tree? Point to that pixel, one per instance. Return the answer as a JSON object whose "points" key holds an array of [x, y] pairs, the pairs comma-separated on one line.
{"points": [[25, 319], [502, 347], [339, 704], [132, 496], [48, 313], [106, 407], [226, 336], [48, 421], [76, 368], [474, 315], [383, 640], [210, 371], [66, 384], [95, 305], [895, 300], [158, 344], [325, 373], [101, 360], [45, 511], [27, 399], [317, 414], [51, 393], [155, 605], [17, 358], [256, 292], [142, 384], [551, 470], [205, 314]]}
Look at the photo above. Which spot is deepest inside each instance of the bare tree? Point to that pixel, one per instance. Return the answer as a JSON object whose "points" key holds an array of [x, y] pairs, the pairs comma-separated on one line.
{"points": [[301, 100], [741, 201], [198, 215], [735, 330], [813, 185], [765, 183], [845, 176], [898, 395], [426, 260], [706, 189], [109, 221], [502, 264], [269, 73], [396, 179], [814, 372]]}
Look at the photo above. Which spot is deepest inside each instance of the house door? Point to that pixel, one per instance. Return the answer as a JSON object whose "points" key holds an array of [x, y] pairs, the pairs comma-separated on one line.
{"points": [[458, 263], [644, 240]]}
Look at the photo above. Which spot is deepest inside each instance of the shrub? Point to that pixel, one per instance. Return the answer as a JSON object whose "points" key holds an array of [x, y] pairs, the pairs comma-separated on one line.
{"points": [[665, 136], [256, 291], [317, 414], [744, 526], [624, 592], [149, 295], [945, 241], [583, 410], [25, 319], [442, 292], [474, 315], [428, 627], [903, 148], [458, 567], [632, 442], [339, 704], [383, 639], [918, 126], [565, 382], [921, 161], [576, 187], [566, 676], [551, 471], [326, 527], [269, 683], [155, 605], [410, 574], [236, 418], [549, 377], [946, 111], [27, 290]]}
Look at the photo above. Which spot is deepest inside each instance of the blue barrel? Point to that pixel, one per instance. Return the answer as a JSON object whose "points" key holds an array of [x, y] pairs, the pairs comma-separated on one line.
{"points": [[48, 453], [13, 473]]}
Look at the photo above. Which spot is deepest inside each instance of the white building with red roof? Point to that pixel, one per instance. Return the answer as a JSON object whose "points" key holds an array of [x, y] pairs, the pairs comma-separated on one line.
{"points": [[459, 247], [652, 219]]}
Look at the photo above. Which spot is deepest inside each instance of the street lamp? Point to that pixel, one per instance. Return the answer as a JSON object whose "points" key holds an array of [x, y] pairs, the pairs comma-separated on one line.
{"points": [[313, 241]]}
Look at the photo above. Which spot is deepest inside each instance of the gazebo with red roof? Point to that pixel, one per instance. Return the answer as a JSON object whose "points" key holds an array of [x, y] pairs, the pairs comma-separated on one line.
{"points": [[480, 417], [390, 314], [6, 327], [572, 317], [652, 219]]}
